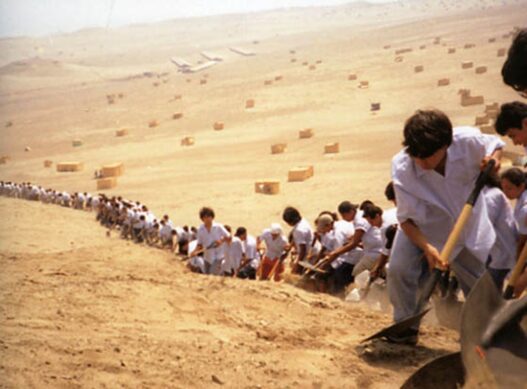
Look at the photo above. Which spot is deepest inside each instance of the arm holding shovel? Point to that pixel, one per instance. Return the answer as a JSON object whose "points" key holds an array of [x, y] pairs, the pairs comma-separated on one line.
{"points": [[353, 243]]}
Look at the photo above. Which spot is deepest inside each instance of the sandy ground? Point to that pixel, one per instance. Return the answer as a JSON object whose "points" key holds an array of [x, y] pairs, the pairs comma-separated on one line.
{"points": [[81, 309]]}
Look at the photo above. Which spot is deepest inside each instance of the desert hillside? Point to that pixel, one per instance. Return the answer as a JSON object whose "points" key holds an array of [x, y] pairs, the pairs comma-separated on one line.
{"points": [[80, 309]]}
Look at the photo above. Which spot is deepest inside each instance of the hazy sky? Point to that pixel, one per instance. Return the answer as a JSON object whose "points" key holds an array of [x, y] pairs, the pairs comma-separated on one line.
{"points": [[43, 17]]}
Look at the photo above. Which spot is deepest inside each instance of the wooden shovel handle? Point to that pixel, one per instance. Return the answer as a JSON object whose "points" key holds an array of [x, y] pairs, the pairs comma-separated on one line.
{"points": [[454, 234], [465, 213], [516, 272]]}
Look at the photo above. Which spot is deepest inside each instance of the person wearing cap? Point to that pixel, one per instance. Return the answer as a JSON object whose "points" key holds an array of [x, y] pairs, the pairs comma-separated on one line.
{"points": [[331, 239], [276, 246]]}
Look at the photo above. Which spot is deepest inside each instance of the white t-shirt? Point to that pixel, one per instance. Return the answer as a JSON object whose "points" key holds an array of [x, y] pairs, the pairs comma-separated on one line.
{"points": [[302, 234], [389, 217], [332, 241], [233, 255], [165, 232], [206, 238], [273, 247], [249, 248], [371, 240], [197, 260]]}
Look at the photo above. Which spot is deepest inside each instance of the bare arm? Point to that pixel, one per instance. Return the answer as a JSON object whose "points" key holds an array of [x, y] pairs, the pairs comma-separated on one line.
{"points": [[353, 243]]}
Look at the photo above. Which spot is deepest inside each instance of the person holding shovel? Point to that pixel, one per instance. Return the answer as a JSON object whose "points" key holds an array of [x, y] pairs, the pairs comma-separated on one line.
{"points": [[433, 176], [514, 185]]}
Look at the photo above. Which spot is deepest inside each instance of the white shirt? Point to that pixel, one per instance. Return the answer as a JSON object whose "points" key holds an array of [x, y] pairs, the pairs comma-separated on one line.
{"points": [[165, 232], [249, 248], [233, 255], [371, 240], [205, 238], [333, 240], [273, 247], [302, 234], [389, 217], [348, 230], [434, 202], [345, 227], [520, 213], [503, 252]]}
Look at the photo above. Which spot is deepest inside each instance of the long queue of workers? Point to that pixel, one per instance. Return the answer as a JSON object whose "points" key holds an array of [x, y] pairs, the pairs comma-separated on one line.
{"points": [[432, 177]]}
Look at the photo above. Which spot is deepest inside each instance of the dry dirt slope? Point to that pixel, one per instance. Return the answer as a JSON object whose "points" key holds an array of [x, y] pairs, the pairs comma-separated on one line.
{"points": [[83, 310]]}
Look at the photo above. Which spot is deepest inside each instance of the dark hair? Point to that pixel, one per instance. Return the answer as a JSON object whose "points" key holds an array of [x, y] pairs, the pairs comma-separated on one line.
{"points": [[514, 71], [426, 132], [291, 216], [515, 175], [371, 211], [227, 227], [389, 234], [389, 191], [365, 204], [240, 231], [346, 207], [206, 211], [511, 116]]}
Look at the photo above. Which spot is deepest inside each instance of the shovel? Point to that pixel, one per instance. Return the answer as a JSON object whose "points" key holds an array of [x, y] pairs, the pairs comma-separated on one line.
{"points": [[444, 372], [447, 307], [493, 336], [428, 289]]}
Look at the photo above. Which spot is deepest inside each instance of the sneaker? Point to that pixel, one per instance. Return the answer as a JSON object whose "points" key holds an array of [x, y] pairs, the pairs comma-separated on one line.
{"points": [[409, 337]]}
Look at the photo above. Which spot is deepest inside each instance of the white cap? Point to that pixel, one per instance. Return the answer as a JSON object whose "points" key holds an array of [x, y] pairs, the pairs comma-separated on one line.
{"points": [[276, 228]]}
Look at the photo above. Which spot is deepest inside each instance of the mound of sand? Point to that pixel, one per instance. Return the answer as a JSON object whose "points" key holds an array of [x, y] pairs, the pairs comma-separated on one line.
{"points": [[81, 309], [36, 67]]}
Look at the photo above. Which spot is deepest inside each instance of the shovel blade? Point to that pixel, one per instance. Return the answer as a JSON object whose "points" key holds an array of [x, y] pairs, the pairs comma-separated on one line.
{"points": [[444, 372], [503, 362], [448, 311], [399, 327]]}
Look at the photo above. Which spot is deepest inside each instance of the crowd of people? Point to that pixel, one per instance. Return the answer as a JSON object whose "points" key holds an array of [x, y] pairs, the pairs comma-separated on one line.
{"points": [[432, 177], [337, 247]]}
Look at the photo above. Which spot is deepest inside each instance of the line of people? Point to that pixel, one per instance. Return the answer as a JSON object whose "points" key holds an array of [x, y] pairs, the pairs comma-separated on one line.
{"points": [[432, 177], [339, 248]]}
